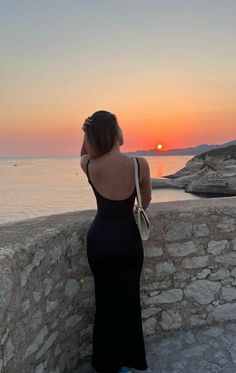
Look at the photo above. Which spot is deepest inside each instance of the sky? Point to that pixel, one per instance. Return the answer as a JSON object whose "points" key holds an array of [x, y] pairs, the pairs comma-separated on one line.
{"points": [[166, 68]]}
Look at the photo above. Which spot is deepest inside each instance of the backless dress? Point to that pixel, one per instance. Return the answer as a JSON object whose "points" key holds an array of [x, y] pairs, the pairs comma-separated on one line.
{"points": [[115, 255]]}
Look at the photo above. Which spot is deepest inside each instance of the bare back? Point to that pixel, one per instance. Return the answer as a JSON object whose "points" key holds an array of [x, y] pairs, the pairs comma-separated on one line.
{"points": [[113, 175]]}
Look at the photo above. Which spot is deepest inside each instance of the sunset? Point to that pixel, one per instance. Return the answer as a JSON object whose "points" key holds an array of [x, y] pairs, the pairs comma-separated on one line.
{"points": [[165, 68], [118, 186]]}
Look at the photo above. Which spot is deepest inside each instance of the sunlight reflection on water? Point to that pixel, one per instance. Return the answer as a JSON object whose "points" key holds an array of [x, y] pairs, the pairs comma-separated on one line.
{"points": [[44, 186]]}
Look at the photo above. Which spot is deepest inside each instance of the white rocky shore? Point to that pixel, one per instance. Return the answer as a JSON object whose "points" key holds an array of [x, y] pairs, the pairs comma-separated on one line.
{"points": [[213, 172]]}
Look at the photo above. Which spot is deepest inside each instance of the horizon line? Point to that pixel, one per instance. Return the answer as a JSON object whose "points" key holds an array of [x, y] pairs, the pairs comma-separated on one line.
{"points": [[133, 151]]}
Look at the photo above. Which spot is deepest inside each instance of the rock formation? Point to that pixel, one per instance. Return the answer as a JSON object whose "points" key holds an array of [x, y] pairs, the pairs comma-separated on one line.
{"points": [[212, 172]]}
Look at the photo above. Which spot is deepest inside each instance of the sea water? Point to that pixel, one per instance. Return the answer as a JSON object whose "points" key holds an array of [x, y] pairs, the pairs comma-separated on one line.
{"points": [[31, 187]]}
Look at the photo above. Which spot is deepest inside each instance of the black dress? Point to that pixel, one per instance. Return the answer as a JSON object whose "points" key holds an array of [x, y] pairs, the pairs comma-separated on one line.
{"points": [[115, 255]]}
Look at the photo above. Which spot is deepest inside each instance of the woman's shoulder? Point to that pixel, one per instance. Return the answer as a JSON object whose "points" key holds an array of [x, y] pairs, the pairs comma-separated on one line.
{"points": [[144, 168], [142, 161]]}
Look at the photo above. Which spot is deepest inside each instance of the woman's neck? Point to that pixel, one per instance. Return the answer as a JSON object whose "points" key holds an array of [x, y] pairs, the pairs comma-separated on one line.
{"points": [[113, 151]]}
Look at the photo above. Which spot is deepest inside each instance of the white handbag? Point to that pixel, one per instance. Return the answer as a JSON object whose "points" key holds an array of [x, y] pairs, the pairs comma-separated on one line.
{"points": [[142, 219]]}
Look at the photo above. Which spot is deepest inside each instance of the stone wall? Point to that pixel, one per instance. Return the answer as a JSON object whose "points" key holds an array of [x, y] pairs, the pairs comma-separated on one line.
{"points": [[47, 291]]}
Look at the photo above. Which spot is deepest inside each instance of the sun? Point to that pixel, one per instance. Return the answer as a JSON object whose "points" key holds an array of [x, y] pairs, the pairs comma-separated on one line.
{"points": [[159, 146]]}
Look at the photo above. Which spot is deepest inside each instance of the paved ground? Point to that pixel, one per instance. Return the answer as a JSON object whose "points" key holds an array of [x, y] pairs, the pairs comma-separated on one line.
{"points": [[208, 349]]}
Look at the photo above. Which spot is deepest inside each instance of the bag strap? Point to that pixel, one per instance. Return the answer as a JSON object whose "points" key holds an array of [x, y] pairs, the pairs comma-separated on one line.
{"points": [[139, 199]]}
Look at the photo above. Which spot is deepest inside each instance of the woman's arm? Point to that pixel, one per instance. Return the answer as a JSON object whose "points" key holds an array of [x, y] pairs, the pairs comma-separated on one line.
{"points": [[84, 155], [84, 149], [145, 182]]}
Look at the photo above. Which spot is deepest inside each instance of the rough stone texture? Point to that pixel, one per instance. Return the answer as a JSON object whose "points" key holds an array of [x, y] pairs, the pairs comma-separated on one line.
{"points": [[206, 349], [149, 326], [195, 262], [188, 281], [178, 230], [47, 344], [203, 291], [71, 288], [201, 230], [215, 247], [153, 252], [227, 259], [5, 290], [203, 274], [223, 312], [164, 268], [36, 343], [150, 311], [221, 274], [168, 296], [171, 319], [228, 293], [181, 249]]}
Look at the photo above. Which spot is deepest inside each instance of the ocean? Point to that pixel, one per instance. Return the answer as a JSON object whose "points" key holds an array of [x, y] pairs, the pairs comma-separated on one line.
{"points": [[32, 187]]}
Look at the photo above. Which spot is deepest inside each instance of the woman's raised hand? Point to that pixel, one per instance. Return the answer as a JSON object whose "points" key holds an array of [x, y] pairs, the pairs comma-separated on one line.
{"points": [[87, 123]]}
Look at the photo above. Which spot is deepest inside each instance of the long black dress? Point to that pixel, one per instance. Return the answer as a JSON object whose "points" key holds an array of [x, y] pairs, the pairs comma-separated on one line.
{"points": [[115, 255]]}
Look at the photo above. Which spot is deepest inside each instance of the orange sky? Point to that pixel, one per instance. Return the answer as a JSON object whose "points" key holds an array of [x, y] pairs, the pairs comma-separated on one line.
{"points": [[168, 73]]}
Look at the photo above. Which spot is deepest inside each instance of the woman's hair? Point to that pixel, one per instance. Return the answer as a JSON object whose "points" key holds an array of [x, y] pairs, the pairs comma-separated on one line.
{"points": [[102, 132]]}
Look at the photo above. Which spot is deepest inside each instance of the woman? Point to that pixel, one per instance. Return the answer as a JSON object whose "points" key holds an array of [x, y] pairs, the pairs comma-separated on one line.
{"points": [[114, 246]]}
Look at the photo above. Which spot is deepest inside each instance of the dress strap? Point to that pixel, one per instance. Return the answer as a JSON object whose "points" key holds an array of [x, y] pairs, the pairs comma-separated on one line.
{"points": [[87, 169]]}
